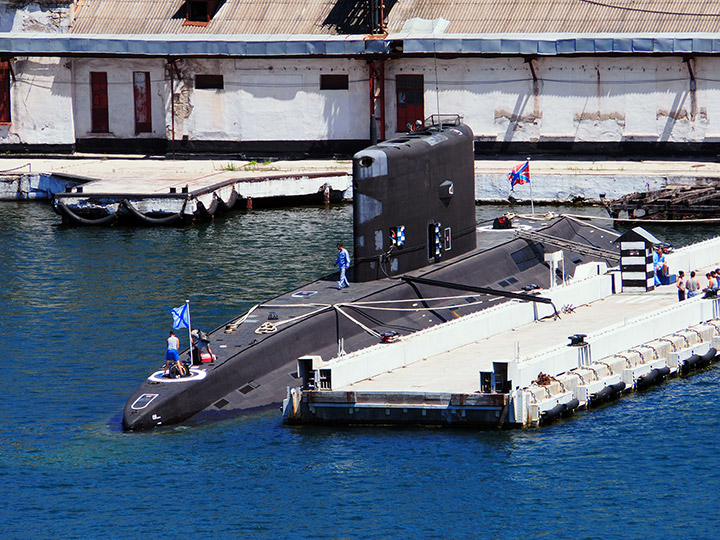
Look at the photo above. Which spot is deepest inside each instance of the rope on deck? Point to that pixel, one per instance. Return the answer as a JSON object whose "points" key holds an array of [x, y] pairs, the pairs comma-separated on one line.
{"points": [[28, 165]]}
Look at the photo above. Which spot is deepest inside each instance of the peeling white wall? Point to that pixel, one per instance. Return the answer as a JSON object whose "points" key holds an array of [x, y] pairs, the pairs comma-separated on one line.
{"points": [[41, 103], [277, 100], [574, 99], [121, 98], [43, 17], [261, 99]]}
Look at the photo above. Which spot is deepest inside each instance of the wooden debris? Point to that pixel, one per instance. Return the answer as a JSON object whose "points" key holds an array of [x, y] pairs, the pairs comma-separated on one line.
{"points": [[672, 202]]}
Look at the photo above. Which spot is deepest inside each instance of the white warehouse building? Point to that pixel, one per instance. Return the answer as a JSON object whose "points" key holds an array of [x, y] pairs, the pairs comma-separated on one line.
{"points": [[320, 78]]}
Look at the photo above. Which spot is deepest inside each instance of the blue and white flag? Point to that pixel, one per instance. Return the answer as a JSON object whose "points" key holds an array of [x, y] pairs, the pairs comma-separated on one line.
{"points": [[181, 316]]}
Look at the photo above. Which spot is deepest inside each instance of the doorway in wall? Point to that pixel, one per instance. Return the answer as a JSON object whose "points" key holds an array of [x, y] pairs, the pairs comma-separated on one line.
{"points": [[141, 91], [99, 97], [5, 116], [410, 100]]}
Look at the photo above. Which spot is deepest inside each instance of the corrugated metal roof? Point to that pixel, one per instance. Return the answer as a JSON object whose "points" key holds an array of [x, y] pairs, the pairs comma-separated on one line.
{"points": [[562, 16], [232, 17], [350, 16]]}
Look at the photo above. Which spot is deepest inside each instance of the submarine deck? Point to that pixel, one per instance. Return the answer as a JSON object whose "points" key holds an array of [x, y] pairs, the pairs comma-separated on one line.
{"points": [[242, 332]]}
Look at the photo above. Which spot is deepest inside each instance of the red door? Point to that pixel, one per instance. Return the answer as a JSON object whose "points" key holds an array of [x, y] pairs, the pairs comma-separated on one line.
{"points": [[5, 92], [410, 100], [141, 89], [99, 111]]}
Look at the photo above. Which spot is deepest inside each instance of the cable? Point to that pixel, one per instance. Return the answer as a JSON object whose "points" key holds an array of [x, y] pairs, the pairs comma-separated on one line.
{"points": [[361, 325], [651, 221], [586, 224], [372, 302], [413, 309], [378, 322], [570, 245], [645, 10], [28, 165]]}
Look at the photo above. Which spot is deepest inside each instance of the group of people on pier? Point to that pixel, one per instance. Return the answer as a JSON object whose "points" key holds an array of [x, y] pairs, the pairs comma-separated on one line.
{"points": [[687, 286], [691, 286]]}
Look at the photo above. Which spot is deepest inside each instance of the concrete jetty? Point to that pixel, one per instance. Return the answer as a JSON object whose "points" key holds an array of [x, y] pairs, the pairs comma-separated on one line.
{"points": [[101, 191], [553, 180], [159, 193], [517, 364], [163, 199]]}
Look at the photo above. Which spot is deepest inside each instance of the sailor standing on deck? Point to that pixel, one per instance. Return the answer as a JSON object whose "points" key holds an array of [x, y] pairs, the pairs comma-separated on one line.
{"points": [[343, 262], [172, 356]]}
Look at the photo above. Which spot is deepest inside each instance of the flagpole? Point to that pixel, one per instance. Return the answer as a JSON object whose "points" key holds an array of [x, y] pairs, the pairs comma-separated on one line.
{"points": [[532, 201], [187, 306]]}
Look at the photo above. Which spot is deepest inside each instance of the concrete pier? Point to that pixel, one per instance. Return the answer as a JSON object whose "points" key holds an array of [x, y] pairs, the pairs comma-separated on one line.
{"points": [[22, 184], [173, 194], [95, 187], [553, 180], [516, 365]]}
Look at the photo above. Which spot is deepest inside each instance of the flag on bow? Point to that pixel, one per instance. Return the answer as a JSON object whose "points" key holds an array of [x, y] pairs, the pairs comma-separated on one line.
{"points": [[519, 175], [181, 316]]}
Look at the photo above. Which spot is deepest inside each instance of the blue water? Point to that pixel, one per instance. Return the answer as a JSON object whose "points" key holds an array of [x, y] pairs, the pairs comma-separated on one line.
{"points": [[83, 318]]}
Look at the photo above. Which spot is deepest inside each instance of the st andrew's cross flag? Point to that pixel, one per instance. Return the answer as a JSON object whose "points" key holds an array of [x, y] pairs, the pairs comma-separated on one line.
{"points": [[181, 316]]}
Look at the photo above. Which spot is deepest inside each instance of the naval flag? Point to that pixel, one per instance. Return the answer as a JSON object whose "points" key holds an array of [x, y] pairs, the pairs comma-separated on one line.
{"points": [[181, 316], [519, 175]]}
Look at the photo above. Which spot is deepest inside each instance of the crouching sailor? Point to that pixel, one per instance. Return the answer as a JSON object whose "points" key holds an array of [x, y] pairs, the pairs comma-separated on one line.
{"points": [[201, 347]]}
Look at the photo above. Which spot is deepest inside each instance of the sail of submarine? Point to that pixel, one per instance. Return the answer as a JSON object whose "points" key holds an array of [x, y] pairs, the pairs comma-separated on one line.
{"points": [[413, 217]]}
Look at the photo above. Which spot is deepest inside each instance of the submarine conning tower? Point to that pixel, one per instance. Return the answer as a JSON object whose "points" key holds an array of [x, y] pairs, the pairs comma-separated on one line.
{"points": [[414, 200]]}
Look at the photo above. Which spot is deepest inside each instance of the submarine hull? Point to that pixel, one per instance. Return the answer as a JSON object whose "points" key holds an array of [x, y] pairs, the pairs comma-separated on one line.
{"points": [[397, 235], [266, 364]]}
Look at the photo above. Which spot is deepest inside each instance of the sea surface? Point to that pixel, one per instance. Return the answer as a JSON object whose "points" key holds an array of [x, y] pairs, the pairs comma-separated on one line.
{"points": [[84, 313]]}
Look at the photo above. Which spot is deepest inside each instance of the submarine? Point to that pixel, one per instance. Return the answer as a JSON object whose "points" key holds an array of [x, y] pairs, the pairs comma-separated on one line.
{"points": [[419, 260]]}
